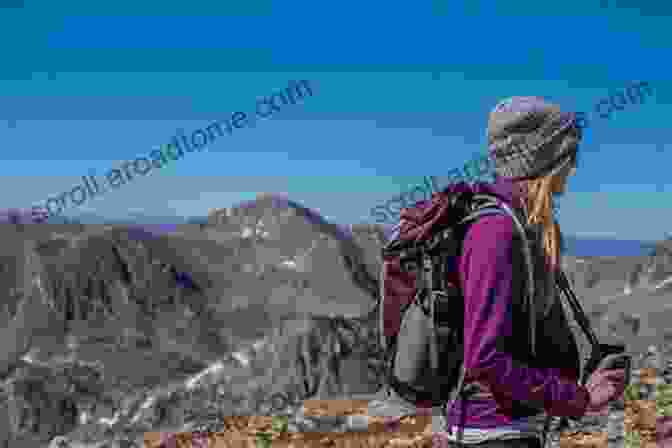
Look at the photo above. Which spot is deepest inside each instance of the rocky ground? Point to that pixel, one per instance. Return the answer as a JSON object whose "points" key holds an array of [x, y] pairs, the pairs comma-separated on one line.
{"points": [[636, 420], [258, 312]]}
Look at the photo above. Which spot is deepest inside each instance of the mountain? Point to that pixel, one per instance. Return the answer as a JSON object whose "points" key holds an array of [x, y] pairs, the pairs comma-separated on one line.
{"points": [[132, 217], [627, 298], [579, 246], [605, 247], [141, 312], [161, 324]]}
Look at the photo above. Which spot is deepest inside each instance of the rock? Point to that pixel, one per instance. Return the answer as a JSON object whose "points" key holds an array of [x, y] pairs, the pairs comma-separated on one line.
{"points": [[5, 422], [60, 442], [659, 263], [358, 423], [265, 303], [615, 427]]}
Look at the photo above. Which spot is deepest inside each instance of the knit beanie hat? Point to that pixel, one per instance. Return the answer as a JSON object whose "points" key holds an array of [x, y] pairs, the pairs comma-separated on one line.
{"points": [[524, 136]]}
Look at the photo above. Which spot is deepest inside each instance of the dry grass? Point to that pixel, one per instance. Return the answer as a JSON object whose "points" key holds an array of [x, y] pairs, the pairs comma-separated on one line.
{"points": [[640, 419], [244, 431], [585, 440], [640, 416]]}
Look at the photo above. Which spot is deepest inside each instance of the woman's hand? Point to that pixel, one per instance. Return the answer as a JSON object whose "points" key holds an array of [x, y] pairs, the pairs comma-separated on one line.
{"points": [[604, 385]]}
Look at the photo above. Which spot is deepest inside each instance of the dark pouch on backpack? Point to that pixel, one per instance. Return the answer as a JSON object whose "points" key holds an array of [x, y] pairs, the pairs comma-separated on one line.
{"points": [[429, 351], [413, 341]]}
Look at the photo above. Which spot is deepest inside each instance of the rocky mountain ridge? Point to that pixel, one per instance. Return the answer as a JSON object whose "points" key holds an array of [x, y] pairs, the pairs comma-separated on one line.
{"points": [[153, 329]]}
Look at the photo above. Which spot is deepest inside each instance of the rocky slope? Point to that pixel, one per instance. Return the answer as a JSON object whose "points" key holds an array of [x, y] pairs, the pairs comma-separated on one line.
{"points": [[627, 297], [263, 306], [138, 314]]}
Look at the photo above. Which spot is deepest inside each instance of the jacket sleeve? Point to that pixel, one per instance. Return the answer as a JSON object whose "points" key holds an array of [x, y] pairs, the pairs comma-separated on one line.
{"points": [[486, 274]]}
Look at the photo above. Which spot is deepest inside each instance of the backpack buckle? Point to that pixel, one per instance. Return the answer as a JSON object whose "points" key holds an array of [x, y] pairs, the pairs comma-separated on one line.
{"points": [[445, 318], [436, 242]]}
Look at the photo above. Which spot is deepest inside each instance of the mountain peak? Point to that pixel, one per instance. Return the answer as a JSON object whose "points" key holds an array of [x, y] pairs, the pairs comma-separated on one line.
{"points": [[276, 205]]}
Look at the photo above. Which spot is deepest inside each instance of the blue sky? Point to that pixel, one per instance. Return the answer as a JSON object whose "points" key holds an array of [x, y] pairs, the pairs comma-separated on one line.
{"points": [[400, 92]]}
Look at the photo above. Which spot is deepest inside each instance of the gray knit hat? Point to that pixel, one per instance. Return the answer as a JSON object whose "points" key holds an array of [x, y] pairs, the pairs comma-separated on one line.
{"points": [[526, 137]]}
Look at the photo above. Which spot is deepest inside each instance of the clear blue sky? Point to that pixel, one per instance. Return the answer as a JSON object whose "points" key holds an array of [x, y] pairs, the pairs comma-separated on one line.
{"points": [[400, 91]]}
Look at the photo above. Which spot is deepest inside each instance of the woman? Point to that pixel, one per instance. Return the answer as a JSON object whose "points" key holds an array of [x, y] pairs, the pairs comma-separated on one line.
{"points": [[534, 149]]}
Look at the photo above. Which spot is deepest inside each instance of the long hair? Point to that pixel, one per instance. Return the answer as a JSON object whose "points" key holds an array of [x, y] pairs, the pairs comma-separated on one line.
{"points": [[541, 208]]}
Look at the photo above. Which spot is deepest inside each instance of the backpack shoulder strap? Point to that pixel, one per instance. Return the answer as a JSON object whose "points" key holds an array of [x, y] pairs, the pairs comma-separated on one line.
{"points": [[491, 205]]}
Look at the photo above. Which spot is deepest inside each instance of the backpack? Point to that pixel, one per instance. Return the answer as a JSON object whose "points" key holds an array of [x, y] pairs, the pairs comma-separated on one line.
{"points": [[421, 307]]}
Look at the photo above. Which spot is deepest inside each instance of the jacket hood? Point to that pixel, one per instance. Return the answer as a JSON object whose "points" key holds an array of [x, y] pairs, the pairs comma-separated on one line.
{"points": [[416, 223]]}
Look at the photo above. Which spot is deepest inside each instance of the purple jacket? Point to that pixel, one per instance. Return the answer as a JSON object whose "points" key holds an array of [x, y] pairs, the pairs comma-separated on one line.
{"points": [[497, 351]]}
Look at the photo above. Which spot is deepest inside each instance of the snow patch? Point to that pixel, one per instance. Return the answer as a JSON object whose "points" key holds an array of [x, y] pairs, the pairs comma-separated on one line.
{"points": [[664, 283], [241, 358], [194, 380], [289, 263]]}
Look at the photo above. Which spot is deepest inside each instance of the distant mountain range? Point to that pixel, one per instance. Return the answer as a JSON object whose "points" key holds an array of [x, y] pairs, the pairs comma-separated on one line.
{"points": [[577, 246], [606, 247]]}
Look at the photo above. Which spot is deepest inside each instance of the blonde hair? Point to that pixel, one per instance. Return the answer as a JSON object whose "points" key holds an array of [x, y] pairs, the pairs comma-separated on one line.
{"points": [[540, 207]]}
